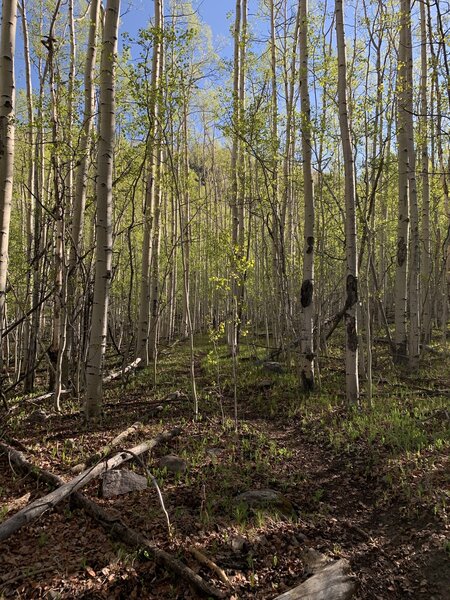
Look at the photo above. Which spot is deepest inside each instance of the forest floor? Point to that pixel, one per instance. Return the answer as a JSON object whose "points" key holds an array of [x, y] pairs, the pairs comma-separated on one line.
{"points": [[369, 485]]}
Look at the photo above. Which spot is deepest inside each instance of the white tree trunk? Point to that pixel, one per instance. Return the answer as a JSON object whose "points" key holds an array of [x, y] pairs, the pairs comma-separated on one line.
{"points": [[413, 275], [81, 180], [351, 326], [426, 262], [142, 348], [307, 290], [103, 252], [235, 156], [401, 288], [7, 132]]}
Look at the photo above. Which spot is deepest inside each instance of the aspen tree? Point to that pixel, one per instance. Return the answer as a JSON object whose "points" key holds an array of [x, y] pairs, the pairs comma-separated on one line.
{"points": [[66, 336], [401, 288], [307, 289], [142, 349], [33, 237], [413, 274], [444, 164], [241, 173], [235, 156], [351, 326], [288, 202], [425, 263], [40, 230], [81, 181], [57, 347], [279, 262], [7, 132], [185, 216], [156, 225], [103, 250]]}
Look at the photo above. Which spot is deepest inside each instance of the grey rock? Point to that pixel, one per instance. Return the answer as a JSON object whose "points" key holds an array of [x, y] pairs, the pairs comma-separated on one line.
{"points": [[269, 500], [123, 481], [314, 561], [173, 463]]}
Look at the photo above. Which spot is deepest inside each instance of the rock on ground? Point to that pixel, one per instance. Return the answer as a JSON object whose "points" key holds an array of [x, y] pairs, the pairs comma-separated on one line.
{"points": [[121, 481], [266, 500]]}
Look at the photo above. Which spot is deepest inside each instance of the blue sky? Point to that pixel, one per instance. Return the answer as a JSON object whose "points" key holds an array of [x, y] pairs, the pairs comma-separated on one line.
{"points": [[216, 13], [135, 14]]}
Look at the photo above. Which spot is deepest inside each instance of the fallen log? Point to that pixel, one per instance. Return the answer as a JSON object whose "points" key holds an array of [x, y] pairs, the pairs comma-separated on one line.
{"points": [[331, 582], [130, 537], [117, 441], [107, 379], [120, 373], [115, 526], [41, 398], [41, 505]]}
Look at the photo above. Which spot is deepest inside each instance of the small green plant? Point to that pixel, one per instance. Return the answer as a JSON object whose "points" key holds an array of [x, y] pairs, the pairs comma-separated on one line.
{"points": [[241, 513], [318, 495], [260, 518]]}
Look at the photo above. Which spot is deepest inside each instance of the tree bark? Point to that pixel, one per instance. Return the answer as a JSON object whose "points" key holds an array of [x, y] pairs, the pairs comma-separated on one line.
{"points": [[330, 583], [401, 288], [81, 181], [307, 289], [103, 254], [7, 135], [142, 348], [351, 325], [426, 262], [413, 271]]}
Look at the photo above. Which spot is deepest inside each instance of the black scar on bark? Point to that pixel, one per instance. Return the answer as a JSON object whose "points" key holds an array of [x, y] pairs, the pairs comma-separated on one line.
{"points": [[2, 143], [352, 337], [306, 293], [310, 244], [308, 382], [401, 252], [352, 291]]}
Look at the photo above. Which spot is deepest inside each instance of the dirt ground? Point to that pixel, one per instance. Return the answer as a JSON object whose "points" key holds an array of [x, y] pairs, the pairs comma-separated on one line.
{"points": [[349, 502]]}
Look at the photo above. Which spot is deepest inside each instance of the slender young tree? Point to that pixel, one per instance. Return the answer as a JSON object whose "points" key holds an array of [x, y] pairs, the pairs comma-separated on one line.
{"points": [[426, 261], [81, 181], [307, 290], [103, 250], [351, 326], [235, 154], [30, 342], [413, 271], [401, 273], [157, 194], [7, 133], [142, 349]]}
